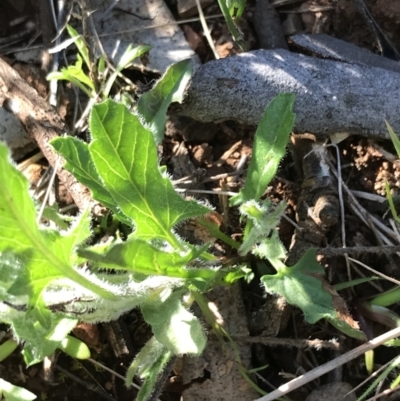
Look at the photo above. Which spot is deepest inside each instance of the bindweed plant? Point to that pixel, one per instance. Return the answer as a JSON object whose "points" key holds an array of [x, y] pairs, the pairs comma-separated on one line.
{"points": [[52, 278]]}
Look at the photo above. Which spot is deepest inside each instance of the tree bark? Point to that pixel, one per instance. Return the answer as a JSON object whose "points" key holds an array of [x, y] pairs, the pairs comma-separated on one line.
{"points": [[41, 122]]}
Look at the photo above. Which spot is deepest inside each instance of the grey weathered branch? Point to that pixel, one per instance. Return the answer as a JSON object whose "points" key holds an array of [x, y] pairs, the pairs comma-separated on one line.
{"points": [[41, 122], [331, 96]]}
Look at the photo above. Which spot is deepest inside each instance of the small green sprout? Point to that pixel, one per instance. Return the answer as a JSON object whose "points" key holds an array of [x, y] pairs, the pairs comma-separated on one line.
{"points": [[75, 348]]}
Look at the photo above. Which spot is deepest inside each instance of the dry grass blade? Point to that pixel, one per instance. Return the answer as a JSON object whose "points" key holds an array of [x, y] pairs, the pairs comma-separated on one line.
{"points": [[329, 366], [206, 30]]}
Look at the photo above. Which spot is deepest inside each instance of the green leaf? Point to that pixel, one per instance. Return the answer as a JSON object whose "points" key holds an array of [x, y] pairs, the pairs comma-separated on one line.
{"points": [[387, 298], [233, 28], [130, 54], [40, 342], [381, 377], [151, 381], [141, 257], [236, 7], [75, 75], [51, 213], [353, 283], [7, 348], [173, 326], [80, 44], [262, 238], [15, 393], [75, 348], [269, 147], [80, 164], [391, 202], [154, 104], [299, 286], [148, 365], [124, 154], [394, 138], [45, 255], [396, 144]]}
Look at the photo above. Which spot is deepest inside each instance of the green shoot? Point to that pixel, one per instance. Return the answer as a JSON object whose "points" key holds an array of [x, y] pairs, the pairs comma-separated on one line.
{"points": [[76, 75], [382, 376], [235, 7], [228, 9], [75, 348], [130, 54], [7, 348], [14, 393]]}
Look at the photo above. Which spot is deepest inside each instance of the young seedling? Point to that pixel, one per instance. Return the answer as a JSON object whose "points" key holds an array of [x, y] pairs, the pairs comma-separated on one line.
{"points": [[45, 280], [232, 9], [7, 348], [84, 81]]}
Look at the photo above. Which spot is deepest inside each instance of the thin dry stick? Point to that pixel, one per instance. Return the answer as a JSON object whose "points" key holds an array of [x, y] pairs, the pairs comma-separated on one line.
{"points": [[41, 122], [375, 271], [31, 160], [289, 342], [369, 378], [340, 192], [369, 196], [280, 3], [341, 203], [217, 177], [395, 229], [216, 191], [381, 238], [290, 221], [227, 154], [361, 211], [359, 250], [206, 30], [141, 28], [383, 394], [49, 188], [113, 372], [327, 367], [187, 180]]}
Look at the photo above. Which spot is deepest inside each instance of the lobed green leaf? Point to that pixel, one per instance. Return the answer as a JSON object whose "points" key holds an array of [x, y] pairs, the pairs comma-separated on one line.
{"points": [[79, 162], [125, 157], [141, 257], [299, 286], [154, 104], [45, 255]]}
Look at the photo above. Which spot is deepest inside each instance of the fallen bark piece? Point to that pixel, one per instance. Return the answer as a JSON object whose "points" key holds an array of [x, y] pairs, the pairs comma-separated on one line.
{"points": [[41, 122], [327, 46], [331, 96]]}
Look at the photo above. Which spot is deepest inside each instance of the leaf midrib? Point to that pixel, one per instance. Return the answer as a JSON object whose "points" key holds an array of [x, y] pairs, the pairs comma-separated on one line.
{"points": [[143, 199], [37, 244]]}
